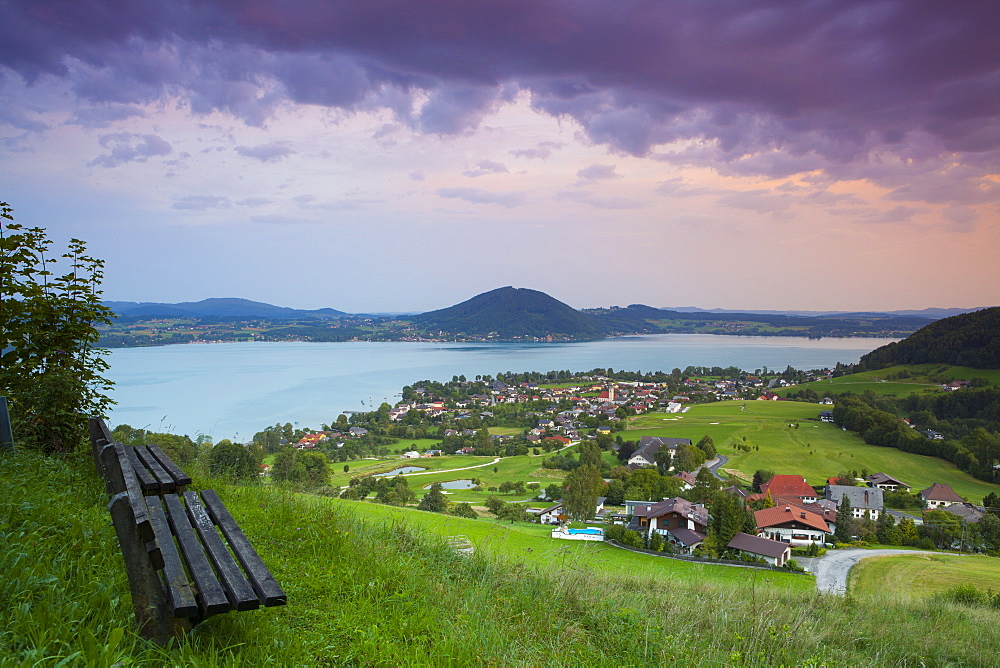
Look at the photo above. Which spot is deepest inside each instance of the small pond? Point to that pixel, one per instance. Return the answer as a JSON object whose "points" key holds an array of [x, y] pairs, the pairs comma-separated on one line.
{"points": [[456, 484], [402, 469]]}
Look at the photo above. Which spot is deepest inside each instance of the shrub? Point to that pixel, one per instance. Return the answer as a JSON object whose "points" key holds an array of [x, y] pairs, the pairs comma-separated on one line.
{"points": [[49, 370]]}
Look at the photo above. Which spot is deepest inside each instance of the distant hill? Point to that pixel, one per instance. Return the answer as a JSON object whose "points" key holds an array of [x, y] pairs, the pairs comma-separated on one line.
{"points": [[971, 339], [647, 319], [928, 313], [226, 307], [510, 313]]}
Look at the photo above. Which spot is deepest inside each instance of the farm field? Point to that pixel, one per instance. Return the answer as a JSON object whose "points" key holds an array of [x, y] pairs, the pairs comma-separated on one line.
{"points": [[918, 576], [880, 382], [532, 544], [815, 449]]}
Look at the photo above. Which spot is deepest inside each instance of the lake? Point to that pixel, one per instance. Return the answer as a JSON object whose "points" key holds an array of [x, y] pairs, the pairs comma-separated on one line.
{"points": [[233, 390]]}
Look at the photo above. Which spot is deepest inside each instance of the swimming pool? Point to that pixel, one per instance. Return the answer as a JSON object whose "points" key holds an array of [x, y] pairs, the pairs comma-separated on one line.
{"points": [[588, 531]]}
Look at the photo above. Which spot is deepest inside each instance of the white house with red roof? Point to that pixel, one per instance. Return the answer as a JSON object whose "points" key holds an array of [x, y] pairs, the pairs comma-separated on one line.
{"points": [[792, 525], [788, 486]]}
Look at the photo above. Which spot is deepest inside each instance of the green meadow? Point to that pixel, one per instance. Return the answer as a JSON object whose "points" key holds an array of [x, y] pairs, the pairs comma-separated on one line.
{"points": [[917, 576], [884, 381], [533, 544], [369, 585], [815, 450]]}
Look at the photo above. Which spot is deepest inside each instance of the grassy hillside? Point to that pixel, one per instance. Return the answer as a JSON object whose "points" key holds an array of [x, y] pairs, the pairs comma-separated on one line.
{"points": [[373, 589], [917, 576], [920, 379], [815, 450]]}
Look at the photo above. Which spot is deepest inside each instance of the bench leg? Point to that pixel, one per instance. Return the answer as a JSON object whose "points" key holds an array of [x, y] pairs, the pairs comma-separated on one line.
{"points": [[151, 602]]}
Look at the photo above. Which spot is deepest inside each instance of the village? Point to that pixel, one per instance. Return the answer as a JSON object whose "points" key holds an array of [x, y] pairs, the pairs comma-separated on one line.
{"points": [[774, 517]]}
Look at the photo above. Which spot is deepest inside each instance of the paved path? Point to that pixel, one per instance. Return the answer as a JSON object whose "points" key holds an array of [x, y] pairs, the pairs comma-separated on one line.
{"points": [[720, 461], [831, 569]]}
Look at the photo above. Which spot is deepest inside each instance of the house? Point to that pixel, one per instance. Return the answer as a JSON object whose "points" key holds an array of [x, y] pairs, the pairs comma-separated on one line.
{"points": [[358, 431], [433, 453], [606, 431], [665, 516], [862, 499], [645, 454], [968, 512], [551, 515], [826, 416], [687, 478], [736, 491], [686, 540], [412, 454], [768, 396], [792, 525], [773, 552], [940, 495], [826, 401], [787, 485], [887, 483]]}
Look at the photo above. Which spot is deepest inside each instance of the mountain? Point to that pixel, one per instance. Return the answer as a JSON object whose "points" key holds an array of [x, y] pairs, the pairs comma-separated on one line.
{"points": [[970, 339], [928, 313], [647, 319], [510, 313], [228, 307]]}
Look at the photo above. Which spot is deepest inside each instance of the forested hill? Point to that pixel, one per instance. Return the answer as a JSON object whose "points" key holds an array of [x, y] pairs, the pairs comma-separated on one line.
{"points": [[512, 313], [970, 339]]}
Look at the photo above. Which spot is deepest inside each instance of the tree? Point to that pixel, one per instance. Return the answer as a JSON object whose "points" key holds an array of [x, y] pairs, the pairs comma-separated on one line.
{"points": [[992, 503], [50, 370], [729, 516], [760, 476], [464, 510], [434, 500], [688, 458], [590, 454], [514, 512], [707, 445], [581, 490], [315, 468], [494, 504], [844, 531], [232, 460]]}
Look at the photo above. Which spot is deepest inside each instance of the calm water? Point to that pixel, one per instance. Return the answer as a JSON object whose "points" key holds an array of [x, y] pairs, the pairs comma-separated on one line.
{"points": [[233, 390]]}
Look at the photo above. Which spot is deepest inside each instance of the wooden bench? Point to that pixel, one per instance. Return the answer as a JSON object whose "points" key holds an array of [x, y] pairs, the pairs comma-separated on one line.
{"points": [[180, 570]]}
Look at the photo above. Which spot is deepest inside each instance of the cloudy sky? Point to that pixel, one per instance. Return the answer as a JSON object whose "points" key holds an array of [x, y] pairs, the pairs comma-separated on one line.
{"points": [[400, 156]]}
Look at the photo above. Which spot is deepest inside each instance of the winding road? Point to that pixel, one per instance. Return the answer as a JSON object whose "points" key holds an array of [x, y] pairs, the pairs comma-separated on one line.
{"points": [[831, 570]]}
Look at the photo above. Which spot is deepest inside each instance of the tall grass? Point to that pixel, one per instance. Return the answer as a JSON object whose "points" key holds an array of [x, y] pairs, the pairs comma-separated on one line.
{"points": [[385, 593]]}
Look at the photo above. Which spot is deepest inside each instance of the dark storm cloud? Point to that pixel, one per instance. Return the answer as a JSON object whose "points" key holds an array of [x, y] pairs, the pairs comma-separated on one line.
{"points": [[767, 87]]}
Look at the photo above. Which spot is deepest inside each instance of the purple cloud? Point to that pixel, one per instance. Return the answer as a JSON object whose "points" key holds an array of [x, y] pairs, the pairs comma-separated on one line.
{"points": [[272, 152], [129, 147], [768, 87], [542, 151], [484, 167], [509, 199], [598, 172], [201, 202]]}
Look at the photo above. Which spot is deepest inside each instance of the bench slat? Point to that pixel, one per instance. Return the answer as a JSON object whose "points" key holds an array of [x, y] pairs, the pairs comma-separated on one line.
{"points": [[268, 590], [120, 472], [145, 478], [181, 594], [165, 481], [241, 594], [210, 594], [180, 478]]}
